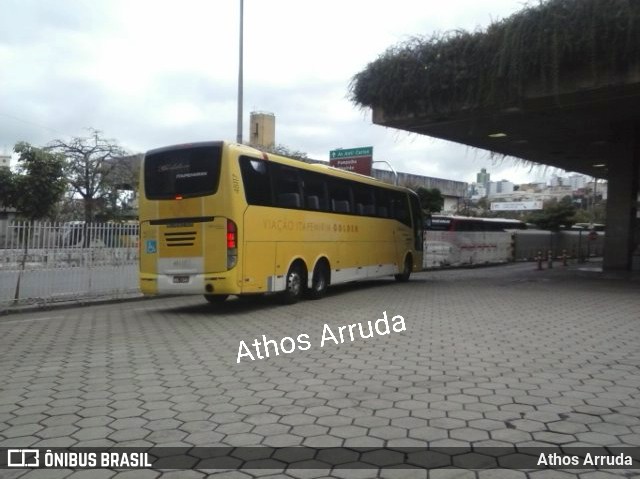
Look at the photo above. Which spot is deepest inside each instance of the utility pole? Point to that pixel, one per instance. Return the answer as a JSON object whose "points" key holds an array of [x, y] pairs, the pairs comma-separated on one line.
{"points": [[240, 62]]}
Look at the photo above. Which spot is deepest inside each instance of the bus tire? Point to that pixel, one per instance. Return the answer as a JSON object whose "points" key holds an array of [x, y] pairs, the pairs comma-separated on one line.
{"points": [[320, 281], [294, 286], [406, 271], [216, 298]]}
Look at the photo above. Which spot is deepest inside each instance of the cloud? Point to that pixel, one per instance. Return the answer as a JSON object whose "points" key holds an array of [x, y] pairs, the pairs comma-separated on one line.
{"points": [[157, 73]]}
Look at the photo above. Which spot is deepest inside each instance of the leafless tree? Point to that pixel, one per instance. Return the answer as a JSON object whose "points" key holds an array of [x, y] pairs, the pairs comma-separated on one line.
{"points": [[91, 168]]}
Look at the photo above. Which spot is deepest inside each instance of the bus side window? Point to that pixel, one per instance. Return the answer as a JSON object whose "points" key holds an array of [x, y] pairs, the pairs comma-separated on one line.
{"points": [[339, 195], [463, 225], [363, 196], [286, 186], [289, 200], [383, 203], [313, 202], [314, 188], [255, 179], [400, 208]]}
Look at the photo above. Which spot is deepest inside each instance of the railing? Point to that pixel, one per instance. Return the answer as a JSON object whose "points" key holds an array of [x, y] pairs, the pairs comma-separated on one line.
{"points": [[42, 262]]}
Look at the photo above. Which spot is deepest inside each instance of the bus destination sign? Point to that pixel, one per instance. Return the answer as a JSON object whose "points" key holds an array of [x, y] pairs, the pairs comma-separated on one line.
{"points": [[358, 160]]}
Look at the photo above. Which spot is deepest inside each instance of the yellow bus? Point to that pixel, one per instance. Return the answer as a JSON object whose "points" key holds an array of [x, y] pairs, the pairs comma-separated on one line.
{"points": [[222, 219]]}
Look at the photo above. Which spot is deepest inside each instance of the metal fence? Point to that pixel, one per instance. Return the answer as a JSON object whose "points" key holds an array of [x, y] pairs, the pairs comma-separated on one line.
{"points": [[43, 262]]}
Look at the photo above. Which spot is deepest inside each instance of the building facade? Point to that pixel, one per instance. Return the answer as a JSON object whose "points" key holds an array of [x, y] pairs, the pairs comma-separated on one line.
{"points": [[483, 178], [262, 129], [453, 191]]}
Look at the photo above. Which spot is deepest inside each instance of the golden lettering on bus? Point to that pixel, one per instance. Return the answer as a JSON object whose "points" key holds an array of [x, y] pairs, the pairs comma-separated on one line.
{"points": [[281, 224], [290, 225]]}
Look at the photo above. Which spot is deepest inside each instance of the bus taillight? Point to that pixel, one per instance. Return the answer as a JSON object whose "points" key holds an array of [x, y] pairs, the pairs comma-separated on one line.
{"points": [[232, 234], [232, 244]]}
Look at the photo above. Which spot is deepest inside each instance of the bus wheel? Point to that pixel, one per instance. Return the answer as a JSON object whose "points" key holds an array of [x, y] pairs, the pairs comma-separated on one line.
{"points": [[295, 284], [406, 272], [320, 281], [216, 298]]}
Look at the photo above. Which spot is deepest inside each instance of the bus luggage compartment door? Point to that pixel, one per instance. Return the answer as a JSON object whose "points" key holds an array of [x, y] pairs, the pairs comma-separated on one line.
{"points": [[199, 243]]}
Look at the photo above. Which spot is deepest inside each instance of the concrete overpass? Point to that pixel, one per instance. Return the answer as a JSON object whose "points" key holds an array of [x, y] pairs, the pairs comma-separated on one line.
{"points": [[579, 118]]}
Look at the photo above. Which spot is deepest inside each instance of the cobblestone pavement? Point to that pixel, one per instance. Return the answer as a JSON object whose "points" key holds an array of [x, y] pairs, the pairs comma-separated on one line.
{"points": [[490, 357]]}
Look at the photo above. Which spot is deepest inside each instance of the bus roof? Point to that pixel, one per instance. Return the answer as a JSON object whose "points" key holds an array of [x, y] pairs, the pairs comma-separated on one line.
{"points": [[181, 146], [319, 167]]}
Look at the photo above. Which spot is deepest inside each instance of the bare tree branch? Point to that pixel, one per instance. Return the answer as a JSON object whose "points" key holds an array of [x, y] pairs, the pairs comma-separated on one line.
{"points": [[91, 164]]}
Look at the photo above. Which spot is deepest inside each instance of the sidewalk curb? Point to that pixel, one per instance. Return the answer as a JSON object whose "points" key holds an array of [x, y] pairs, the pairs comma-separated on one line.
{"points": [[30, 308]]}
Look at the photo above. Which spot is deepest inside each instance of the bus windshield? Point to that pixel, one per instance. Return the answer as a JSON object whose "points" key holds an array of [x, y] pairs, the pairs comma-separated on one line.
{"points": [[182, 172]]}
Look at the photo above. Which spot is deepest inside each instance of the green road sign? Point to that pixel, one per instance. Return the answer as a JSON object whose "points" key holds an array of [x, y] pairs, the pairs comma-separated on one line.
{"points": [[351, 152]]}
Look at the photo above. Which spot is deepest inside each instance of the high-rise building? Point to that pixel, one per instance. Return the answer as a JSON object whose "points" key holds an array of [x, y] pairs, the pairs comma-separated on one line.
{"points": [[499, 187], [262, 131], [5, 161], [556, 180], [483, 178], [577, 181]]}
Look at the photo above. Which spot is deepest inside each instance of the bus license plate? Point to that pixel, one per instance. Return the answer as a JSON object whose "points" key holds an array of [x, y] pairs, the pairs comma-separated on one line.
{"points": [[181, 279]]}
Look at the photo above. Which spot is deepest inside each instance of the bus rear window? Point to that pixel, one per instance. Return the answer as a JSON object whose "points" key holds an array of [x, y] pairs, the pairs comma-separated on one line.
{"points": [[182, 172]]}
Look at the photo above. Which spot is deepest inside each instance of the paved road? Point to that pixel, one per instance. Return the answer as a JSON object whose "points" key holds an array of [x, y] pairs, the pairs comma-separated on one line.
{"points": [[488, 357]]}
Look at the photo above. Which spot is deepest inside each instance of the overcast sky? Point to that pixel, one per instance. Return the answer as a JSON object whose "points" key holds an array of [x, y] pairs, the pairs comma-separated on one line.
{"points": [[154, 73]]}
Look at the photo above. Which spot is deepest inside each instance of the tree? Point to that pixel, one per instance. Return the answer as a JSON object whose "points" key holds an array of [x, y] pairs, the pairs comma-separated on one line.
{"points": [[7, 188], [431, 199], [90, 165], [555, 214], [120, 189], [34, 191], [484, 206], [39, 184]]}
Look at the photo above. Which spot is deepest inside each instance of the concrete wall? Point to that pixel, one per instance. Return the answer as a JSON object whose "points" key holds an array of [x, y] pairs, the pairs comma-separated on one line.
{"points": [[447, 187]]}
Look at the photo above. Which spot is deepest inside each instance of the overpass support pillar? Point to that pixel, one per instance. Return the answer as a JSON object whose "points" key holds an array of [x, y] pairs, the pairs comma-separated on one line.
{"points": [[622, 200]]}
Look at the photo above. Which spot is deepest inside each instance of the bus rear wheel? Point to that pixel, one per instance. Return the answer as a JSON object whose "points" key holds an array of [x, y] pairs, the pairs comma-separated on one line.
{"points": [[216, 298], [294, 284], [320, 281], [406, 271]]}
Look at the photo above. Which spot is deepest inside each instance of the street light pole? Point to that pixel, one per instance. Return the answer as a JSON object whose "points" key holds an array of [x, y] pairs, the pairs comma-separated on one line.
{"points": [[240, 62], [395, 173]]}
